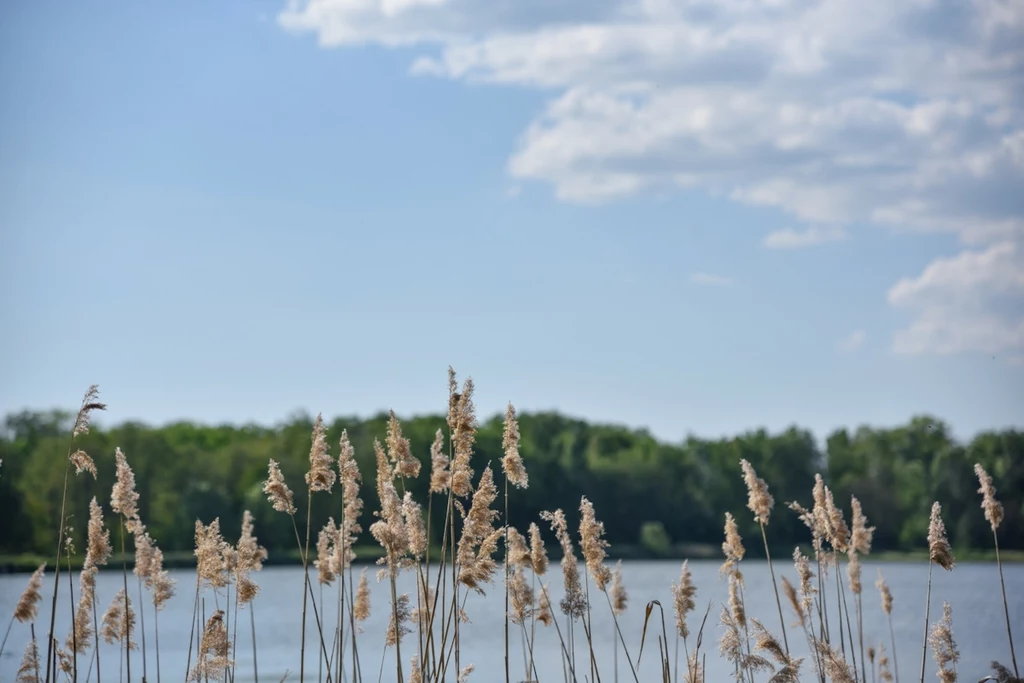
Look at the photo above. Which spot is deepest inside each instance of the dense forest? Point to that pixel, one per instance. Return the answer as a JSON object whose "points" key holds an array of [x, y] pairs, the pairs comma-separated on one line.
{"points": [[653, 497]]}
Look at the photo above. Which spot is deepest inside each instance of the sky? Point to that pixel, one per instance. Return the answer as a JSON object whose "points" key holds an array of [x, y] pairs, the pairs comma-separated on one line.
{"points": [[688, 216]]}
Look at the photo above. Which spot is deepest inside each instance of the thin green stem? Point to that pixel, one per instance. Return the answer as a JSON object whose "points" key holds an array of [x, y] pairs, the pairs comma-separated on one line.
{"points": [[775, 587], [1006, 609], [927, 616]]}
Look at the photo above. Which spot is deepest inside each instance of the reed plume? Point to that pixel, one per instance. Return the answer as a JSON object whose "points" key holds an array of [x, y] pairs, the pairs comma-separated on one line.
{"points": [[538, 553], [760, 502], [28, 672], [463, 424], [320, 476], [884, 674], [620, 598], [479, 539], [944, 647], [82, 463], [860, 544], [119, 622], [361, 608], [398, 625], [939, 553], [440, 476], [405, 464], [574, 604], [994, 515], [214, 651], [512, 463], [28, 604], [278, 493], [887, 607]]}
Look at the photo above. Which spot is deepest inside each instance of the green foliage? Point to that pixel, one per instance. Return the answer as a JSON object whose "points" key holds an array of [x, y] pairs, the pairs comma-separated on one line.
{"points": [[187, 471], [655, 539]]}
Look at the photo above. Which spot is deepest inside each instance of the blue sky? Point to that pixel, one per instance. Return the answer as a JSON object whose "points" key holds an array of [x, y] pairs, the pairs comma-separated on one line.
{"points": [[692, 217]]}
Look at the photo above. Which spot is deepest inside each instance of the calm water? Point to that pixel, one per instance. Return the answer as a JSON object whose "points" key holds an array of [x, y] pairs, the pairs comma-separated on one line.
{"points": [[971, 589]]}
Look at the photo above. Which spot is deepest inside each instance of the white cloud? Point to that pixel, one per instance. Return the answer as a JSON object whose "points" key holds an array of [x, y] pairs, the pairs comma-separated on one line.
{"points": [[853, 342], [906, 114], [790, 238], [968, 302], [710, 280]]}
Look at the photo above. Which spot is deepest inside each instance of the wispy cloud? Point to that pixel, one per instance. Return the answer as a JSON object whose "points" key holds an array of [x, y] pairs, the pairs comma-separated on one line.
{"points": [[710, 280], [968, 302], [791, 238], [854, 341], [900, 114]]}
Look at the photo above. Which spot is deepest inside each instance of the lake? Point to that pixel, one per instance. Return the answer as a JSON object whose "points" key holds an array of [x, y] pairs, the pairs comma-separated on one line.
{"points": [[971, 589]]}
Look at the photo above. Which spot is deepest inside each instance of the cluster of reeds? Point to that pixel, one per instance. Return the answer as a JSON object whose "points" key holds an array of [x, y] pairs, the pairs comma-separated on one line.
{"points": [[427, 625]]}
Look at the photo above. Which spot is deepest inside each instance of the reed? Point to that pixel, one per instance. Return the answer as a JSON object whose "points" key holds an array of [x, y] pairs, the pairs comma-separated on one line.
{"points": [[427, 623]]}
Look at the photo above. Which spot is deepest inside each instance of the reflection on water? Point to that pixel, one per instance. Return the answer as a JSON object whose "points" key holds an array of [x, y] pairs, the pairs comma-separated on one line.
{"points": [[971, 589]]}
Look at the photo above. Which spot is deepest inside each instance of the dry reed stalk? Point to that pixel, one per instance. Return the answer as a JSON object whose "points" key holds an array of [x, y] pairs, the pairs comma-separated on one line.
{"points": [[124, 501], [939, 553], [249, 557], [28, 672], [214, 651], [683, 603], [351, 507], [515, 472], [82, 462], [994, 515], [760, 502], [944, 646], [886, 595], [860, 544]]}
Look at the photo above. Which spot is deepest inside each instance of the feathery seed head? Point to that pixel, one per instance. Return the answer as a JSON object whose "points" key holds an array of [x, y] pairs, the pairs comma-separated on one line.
{"points": [[440, 476], [412, 513], [944, 647], [361, 606], [683, 595], [860, 539], [759, 500], [574, 604], [463, 424], [883, 590], [210, 551], [214, 650], [538, 553], [83, 463], [406, 465], [732, 548], [320, 476], [544, 614], [28, 672], [938, 547], [592, 544], [520, 597], [992, 507], [512, 463], [853, 571], [516, 552], [97, 551], [90, 402], [278, 493], [398, 625], [28, 604], [123, 499], [325, 541], [618, 594], [119, 622]]}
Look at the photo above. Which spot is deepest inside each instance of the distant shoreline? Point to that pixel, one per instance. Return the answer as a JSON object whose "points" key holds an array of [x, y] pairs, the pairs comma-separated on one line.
{"points": [[368, 554]]}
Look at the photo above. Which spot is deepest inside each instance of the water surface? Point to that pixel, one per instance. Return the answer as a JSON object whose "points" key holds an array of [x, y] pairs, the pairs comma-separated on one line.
{"points": [[971, 589]]}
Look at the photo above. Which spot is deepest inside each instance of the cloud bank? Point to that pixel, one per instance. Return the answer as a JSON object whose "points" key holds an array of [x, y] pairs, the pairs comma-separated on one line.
{"points": [[904, 114]]}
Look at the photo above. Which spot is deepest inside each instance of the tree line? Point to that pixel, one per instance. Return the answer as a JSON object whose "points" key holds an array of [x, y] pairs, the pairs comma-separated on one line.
{"points": [[653, 497]]}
